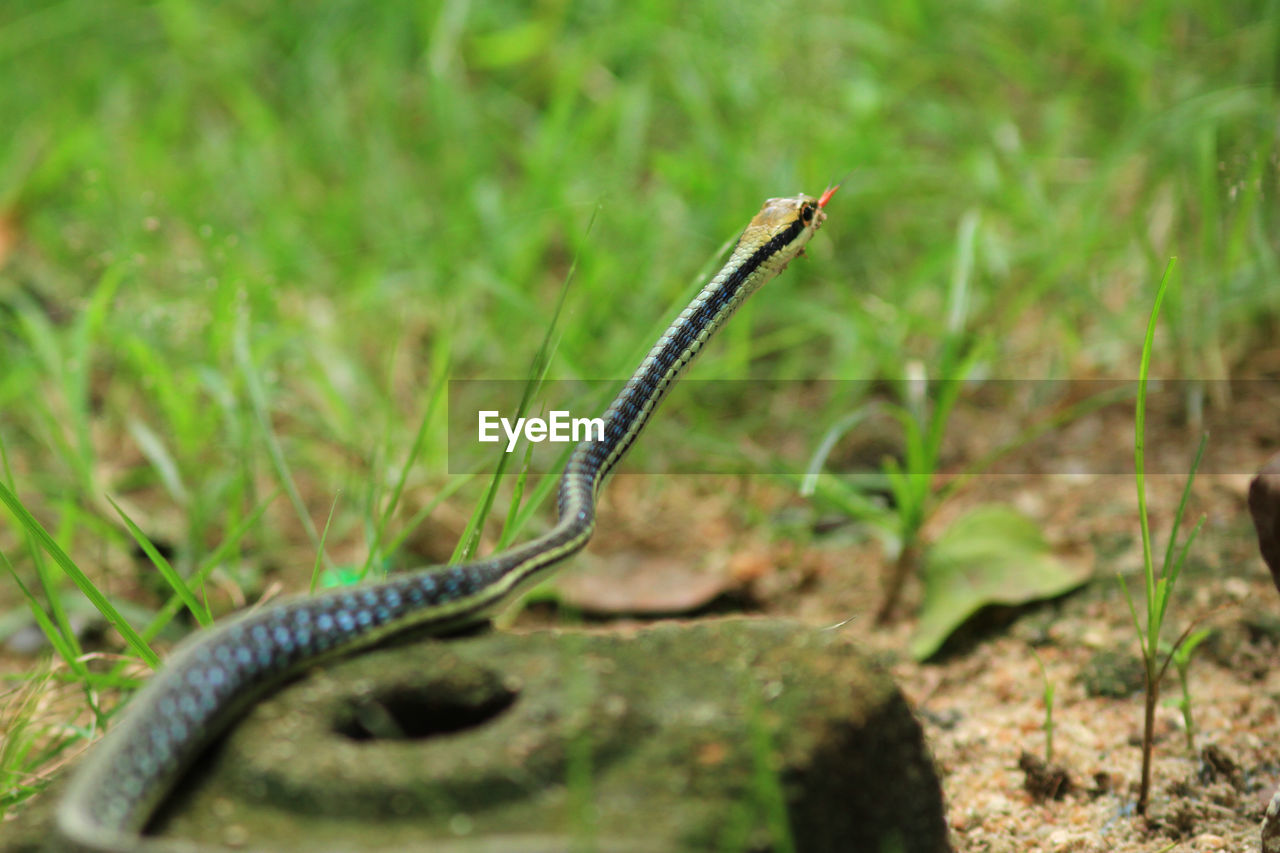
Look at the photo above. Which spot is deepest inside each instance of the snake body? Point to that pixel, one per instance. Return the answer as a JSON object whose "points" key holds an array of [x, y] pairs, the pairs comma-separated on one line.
{"points": [[218, 673]]}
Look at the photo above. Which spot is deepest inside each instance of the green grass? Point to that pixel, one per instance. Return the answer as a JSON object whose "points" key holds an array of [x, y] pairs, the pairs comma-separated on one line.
{"points": [[253, 239], [1159, 581]]}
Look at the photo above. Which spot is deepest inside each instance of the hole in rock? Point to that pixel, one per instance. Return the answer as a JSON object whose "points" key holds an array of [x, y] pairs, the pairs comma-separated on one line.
{"points": [[414, 714]]}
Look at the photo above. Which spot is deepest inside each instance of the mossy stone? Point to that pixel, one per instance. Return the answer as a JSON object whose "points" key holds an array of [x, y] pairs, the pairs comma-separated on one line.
{"points": [[719, 735]]}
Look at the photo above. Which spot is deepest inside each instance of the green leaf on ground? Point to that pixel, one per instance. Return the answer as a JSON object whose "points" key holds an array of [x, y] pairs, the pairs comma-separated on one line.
{"points": [[991, 555], [340, 576]]}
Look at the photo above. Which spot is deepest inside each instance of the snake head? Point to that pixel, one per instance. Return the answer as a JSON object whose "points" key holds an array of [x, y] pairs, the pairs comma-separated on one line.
{"points": [[784, 225]]}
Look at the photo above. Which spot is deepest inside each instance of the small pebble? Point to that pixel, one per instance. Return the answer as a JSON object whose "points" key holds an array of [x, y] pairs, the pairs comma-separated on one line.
{"points": [[1237, 589], [235, 835], [998, 803]]}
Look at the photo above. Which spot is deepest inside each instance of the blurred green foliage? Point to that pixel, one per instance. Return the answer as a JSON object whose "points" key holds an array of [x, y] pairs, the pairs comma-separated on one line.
{"points": [[214, 213]]}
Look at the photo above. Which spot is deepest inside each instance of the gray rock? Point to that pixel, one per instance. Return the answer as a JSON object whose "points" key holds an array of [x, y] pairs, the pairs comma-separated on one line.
{"points": [[1264, 506], [722, 735]]}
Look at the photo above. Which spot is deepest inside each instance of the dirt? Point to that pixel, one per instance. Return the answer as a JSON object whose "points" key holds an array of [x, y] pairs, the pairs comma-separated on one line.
{"points": [[983, 702]]}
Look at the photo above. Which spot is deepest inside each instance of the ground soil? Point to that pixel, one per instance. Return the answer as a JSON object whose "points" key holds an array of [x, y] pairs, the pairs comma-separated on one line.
{"points": [[982, 702]]}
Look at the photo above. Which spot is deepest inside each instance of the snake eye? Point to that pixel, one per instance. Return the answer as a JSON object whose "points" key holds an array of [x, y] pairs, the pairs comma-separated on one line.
{"points": [[806, 212]]}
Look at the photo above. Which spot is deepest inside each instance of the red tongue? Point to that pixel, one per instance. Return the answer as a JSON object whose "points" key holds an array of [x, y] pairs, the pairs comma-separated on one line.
{"points": [[826, 196]]}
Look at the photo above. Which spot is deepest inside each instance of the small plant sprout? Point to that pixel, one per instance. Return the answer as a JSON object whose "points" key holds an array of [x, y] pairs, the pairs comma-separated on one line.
{"points": [[1159, 584], [1048, 710], [923, 419], [1182, 663]]}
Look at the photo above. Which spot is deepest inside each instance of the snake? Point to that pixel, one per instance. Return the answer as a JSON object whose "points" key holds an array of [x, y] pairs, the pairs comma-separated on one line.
{"points": [[214, 676]]}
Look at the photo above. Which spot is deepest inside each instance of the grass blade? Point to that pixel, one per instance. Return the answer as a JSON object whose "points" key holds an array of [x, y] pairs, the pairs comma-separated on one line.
{"points": [[537, 373], [201, 574], [69, 654], [438, 385], [109, 612], [324, 535], [1139, 449], [171, 576], [258, 400]]}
